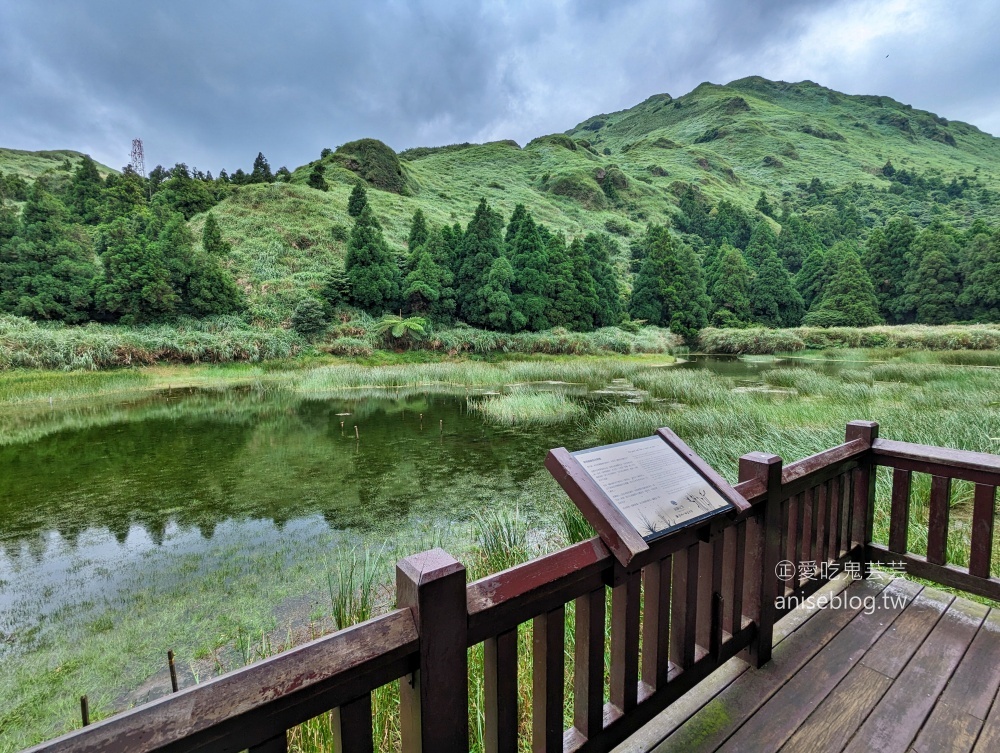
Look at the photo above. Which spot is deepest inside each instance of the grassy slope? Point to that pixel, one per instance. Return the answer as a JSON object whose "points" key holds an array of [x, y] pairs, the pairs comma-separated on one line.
{"points": [[282, 233], [31, 165]]}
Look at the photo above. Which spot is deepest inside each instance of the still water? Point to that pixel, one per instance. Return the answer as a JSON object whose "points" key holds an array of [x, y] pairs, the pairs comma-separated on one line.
{"points": [[192, 517]]}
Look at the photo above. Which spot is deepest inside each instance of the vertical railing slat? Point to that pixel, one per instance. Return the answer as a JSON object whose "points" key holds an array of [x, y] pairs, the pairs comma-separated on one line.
{"points": [[980, 555], [899, 511], [352, 726], [739, 578], [822, 522], [588, 678], [656, 623], [788, 515], [625, 609], [803, 550], [937, 522], [500, 692], [548, 676], [835, 501]]}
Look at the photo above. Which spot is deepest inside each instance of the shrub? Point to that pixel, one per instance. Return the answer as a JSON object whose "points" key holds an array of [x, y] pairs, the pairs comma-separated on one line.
{"points": [[375, 162], [308, 318]]}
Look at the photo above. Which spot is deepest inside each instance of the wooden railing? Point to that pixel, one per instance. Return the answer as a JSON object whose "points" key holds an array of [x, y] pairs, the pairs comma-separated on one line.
{"points": [[695, 599]]}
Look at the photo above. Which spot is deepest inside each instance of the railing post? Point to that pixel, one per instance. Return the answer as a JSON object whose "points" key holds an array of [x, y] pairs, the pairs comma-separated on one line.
{"points": [[863, 515], [766, 469], [432, 585]]}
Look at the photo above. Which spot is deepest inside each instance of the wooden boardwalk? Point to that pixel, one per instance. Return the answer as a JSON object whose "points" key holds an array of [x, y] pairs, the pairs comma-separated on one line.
{"points": [[918, 673]]}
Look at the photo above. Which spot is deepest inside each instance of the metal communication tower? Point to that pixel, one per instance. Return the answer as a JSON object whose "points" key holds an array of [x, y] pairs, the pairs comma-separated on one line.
{"points": [[138, 162]]}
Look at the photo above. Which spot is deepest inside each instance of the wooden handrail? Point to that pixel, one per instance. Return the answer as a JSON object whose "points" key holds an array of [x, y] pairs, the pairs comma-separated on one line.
{"points": [[979, 467], [242, 708]]}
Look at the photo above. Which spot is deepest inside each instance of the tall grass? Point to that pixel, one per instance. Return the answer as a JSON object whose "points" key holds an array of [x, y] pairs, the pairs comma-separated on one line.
{"points": [[766, 341], [521, 406]]}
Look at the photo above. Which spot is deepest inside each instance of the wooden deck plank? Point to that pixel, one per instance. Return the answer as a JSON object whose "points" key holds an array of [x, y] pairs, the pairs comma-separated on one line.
{"points": [[893, 650], [959, 715], [989, 735], [830, 726], [977, 678], [718, 719], [777, 720], [687, 705], [898, 717]]}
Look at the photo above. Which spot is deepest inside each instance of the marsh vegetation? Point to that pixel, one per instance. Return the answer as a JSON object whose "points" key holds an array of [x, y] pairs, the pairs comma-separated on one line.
{"points": [[227, 512]]}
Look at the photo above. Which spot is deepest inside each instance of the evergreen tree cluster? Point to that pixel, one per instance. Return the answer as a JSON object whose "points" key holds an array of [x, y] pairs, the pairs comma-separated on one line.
{"points": [[101, 249], [816, 260], [511, 277]]}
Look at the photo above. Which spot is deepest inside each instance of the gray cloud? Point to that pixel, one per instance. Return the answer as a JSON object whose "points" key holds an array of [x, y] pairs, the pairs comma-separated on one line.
{"points": [[210, 84]]}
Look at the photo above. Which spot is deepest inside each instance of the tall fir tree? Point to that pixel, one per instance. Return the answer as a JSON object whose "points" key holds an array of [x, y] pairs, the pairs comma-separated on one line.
{"points": [[497, 306], [46, 269], [774, 302], [610, 305], [531, 287], [85, 193], [182, 193], [670, 287], [371, 266], [848, 297], [980, 297], [763, 242], [885, 258], [574, 298], [514, 224], [795, 242], [317, 179], [811, 279], [481, 247], [123, 194], [934, 288], [135, 285], [418, 231], [212, 240], [428, 288], [261, 172], [730, 289], [357, 201]]}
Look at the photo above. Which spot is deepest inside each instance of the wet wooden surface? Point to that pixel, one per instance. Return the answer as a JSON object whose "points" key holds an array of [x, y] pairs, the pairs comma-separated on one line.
{"points": [[918, 672]]}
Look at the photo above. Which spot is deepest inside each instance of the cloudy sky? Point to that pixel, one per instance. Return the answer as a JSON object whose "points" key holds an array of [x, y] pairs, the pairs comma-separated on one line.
{"points": [[213, 82]]}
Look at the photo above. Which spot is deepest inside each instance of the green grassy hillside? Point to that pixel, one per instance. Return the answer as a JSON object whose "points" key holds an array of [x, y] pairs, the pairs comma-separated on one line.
{"points": [[31, 165], [615, 173]]}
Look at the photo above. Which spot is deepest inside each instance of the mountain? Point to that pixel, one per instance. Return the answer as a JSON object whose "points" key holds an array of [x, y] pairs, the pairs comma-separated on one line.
{"points": [[844, 164], [31, 165]]}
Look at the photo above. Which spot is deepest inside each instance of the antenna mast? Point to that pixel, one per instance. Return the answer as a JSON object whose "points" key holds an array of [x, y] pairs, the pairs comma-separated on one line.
{"points": [[138, 161]]}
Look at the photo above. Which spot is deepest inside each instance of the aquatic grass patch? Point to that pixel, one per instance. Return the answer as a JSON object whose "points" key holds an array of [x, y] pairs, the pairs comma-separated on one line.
{"points": [[910, 337], [526, 407]]}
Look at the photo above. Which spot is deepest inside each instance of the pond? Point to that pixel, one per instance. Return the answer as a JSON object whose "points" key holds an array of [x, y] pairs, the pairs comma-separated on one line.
{"points": [[210, 521]]}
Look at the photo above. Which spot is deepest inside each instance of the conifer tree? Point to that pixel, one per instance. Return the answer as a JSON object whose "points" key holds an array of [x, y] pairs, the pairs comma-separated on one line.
{"points": [[848, 296], [514, 224], [795, 242], [182, 193], [934, 288], [85, 192], [371, 267], [980, 297], [428, 288], [670, 287], [730, 289], [134, 286], [45, 273], [481, 247], [774, 302], [763, 242], [261, 172], [609, 297], [212, 240], [123, 194], [418, 231], [336, 288], [574, 298], [929, 287], [531, 287], [764, 206], [318, 181], [497, 307], [885, 258], [358, 200], [812, 277], [730, 224]]}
